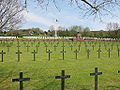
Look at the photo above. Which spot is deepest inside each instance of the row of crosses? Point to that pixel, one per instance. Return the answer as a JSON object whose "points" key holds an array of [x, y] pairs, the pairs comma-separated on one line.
{"points": [[63, 53], [62, 77]]}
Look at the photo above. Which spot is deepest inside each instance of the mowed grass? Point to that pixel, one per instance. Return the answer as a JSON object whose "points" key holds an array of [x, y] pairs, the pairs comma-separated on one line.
{"points": [[42, 72]]}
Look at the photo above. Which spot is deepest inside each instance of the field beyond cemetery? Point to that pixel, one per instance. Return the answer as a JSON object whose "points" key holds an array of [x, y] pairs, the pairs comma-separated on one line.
{"points": [[42, 71]]}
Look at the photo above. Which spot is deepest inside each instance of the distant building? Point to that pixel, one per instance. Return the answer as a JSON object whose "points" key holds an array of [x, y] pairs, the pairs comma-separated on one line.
{"points": [[30, 32], [78, 36]]}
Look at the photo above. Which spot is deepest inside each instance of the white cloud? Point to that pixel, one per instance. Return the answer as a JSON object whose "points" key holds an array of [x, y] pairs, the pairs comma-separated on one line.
{"points": [[39, 19]]}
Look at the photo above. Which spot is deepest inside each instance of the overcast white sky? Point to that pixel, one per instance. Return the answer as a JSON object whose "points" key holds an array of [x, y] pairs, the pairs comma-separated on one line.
{"points": [[36, 17]]}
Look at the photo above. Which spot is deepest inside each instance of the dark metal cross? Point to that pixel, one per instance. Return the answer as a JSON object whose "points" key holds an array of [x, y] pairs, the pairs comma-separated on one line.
{"points": [[105, 46], [34, 53], [46, 47], [117, 46], [111, 46], [8, 48], [37, 46], [118, 52], [109, 51], [86, 45], [88, 53], [79, 46], [18, 46], [93, 47], [63, 53], [96, 77], [62, 77], [27, 48], [76, 52], [20, 80], [118, 71], [63, 46], [49, 52], [55, 47], [18, 55], [99, 45], [99, 51], [24, 43], [32, 44], [2, 53], [71, 47]]}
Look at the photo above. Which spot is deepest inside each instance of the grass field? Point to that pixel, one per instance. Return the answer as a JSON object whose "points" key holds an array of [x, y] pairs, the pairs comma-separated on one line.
{"points": [[42, 71]]}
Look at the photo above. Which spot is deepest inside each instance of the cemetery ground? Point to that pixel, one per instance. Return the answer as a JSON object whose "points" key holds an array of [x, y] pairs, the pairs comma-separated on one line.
{"points": [[42, 69]]}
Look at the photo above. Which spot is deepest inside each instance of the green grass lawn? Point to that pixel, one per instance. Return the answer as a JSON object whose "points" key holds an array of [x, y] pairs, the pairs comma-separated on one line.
{"points": [[42, 72]]}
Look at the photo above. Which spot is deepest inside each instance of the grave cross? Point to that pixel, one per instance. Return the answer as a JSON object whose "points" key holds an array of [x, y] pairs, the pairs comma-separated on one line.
{"points": [[88, 53], [76, 52], [99, 51], [118, 52], [117, 46], [99, 45], [27, 48], [71, 47], [32, 44], [63, 46], [18, 46], [46, 47], [96, 77], [34, 53], [24, 43], [118, 71], [105, 46], [90, 43], [49, 52], [20, 80], [2, 53], [93, 47], [55, 47], [85, 45], [79, 46], [8, 48], [111, 46], [63, 53], [109, 52], [37, 46], [18, 55], [62, 77]]}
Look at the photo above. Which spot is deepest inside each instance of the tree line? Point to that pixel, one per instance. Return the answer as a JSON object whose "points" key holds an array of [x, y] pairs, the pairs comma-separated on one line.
{"points": [[113, 31]]}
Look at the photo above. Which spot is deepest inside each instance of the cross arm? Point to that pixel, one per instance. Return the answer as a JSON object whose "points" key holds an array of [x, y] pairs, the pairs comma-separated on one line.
{"points": [[26, 79], [94, 74], [67, 76], [58, 77], [15, 80]]}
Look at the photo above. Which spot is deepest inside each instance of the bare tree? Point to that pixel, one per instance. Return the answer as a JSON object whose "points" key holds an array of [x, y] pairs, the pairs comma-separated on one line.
{"points": [[89, 7], [10, 14], [113, 30], [112, 26]]}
